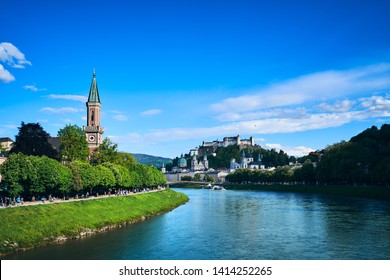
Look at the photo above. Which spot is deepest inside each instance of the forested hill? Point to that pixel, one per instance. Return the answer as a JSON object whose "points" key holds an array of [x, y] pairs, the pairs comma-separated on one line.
{"points": [[365, 158], [152, 160]]}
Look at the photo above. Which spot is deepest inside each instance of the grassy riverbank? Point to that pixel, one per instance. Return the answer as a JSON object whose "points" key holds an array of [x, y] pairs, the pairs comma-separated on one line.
{"points": [[376, 192], [32, 226]]}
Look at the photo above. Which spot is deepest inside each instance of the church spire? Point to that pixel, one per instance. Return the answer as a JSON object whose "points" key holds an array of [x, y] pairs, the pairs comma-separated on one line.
{"points": [[93, 91], [93, 130]]}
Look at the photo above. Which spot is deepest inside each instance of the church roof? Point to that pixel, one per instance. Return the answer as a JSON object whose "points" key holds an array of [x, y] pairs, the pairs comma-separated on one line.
{"points": [[6, 139], [55, 142], [93, 91]]}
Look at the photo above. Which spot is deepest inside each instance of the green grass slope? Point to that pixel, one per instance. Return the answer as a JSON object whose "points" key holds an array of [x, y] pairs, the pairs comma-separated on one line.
{"points": [[31, 226]]}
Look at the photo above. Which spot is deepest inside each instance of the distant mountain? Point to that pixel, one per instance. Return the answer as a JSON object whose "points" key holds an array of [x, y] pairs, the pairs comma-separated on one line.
{"points": [[152, 160]]}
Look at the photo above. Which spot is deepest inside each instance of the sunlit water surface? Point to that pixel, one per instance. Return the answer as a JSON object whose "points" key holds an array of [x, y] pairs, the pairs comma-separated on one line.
{"points": [[243, 225]]}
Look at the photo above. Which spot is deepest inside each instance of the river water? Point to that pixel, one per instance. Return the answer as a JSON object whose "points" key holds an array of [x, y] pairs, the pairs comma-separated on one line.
{"points": [[243, 225]]}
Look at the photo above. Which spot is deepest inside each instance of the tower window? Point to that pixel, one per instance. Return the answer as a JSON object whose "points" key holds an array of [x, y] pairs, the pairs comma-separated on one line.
{"points": [[92, 116]]}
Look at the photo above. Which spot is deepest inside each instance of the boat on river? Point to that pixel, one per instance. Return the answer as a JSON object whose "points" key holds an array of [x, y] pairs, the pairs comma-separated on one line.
{"points": [[218, 188]]}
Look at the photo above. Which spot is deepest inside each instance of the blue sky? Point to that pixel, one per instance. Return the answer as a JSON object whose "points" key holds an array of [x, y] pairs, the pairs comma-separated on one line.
{"points": [[295, 75]]}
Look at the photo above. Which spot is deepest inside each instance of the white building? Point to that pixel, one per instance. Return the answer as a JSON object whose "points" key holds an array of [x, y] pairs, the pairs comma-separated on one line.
{"points": [[246, 162], [199, 165]]}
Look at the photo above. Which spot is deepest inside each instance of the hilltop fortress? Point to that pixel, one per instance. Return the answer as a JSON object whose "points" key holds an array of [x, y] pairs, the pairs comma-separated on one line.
{"points": [[209, 148], [200, 163]]}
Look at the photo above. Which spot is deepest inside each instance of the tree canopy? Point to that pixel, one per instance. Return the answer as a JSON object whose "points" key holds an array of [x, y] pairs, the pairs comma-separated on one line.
{"points": [[30, 172], [73, 144], [107, 152], [365, 159], [33, 140]]}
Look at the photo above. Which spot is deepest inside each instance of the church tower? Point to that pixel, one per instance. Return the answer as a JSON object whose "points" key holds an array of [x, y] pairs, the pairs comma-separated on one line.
{"points": [[93, 130]]}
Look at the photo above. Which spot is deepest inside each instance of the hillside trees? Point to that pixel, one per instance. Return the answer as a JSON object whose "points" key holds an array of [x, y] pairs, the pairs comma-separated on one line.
{"points": [[270, 158], [362, 160], [365, 159], [223, 156]]}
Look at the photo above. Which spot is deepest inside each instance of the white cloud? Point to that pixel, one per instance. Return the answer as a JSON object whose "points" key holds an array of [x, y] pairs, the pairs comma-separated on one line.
{"points": [[317, 101], [338, 106], [12, 56], [63, 110], [365, 108], [151, 112], [257, 140], [299, 112], [313, 87], [298, 151], [33, 88], [5, 75], [80, 98]]}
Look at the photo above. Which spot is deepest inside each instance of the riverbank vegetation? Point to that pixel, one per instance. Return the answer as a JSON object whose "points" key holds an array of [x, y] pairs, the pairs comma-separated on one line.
{"points": [[32, 170], [374, 192], [363, 160], [34, 177], [59, 221]]}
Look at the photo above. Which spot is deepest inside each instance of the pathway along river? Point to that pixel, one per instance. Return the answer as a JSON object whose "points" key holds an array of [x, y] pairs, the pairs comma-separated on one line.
{"points": [[243, 225]]}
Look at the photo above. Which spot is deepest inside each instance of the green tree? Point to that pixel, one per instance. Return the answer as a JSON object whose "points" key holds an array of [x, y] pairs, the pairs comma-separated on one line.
{"points": [[107, 152], [283, 174], [33, 140], [224, 156], [124, 175], [125, 159], [51, 177], [118, 173], [186, 178], [306, 173], [106, 177], [135, 179], [73, 144], [197, 177], [17, 173], [77, 182], [209, 178], [88, 174]]}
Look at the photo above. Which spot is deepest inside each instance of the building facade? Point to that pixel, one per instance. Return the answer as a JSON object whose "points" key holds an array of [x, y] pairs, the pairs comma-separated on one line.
{"points": [[6, 143], [199, 165], [93, 130], [247, 161]]}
